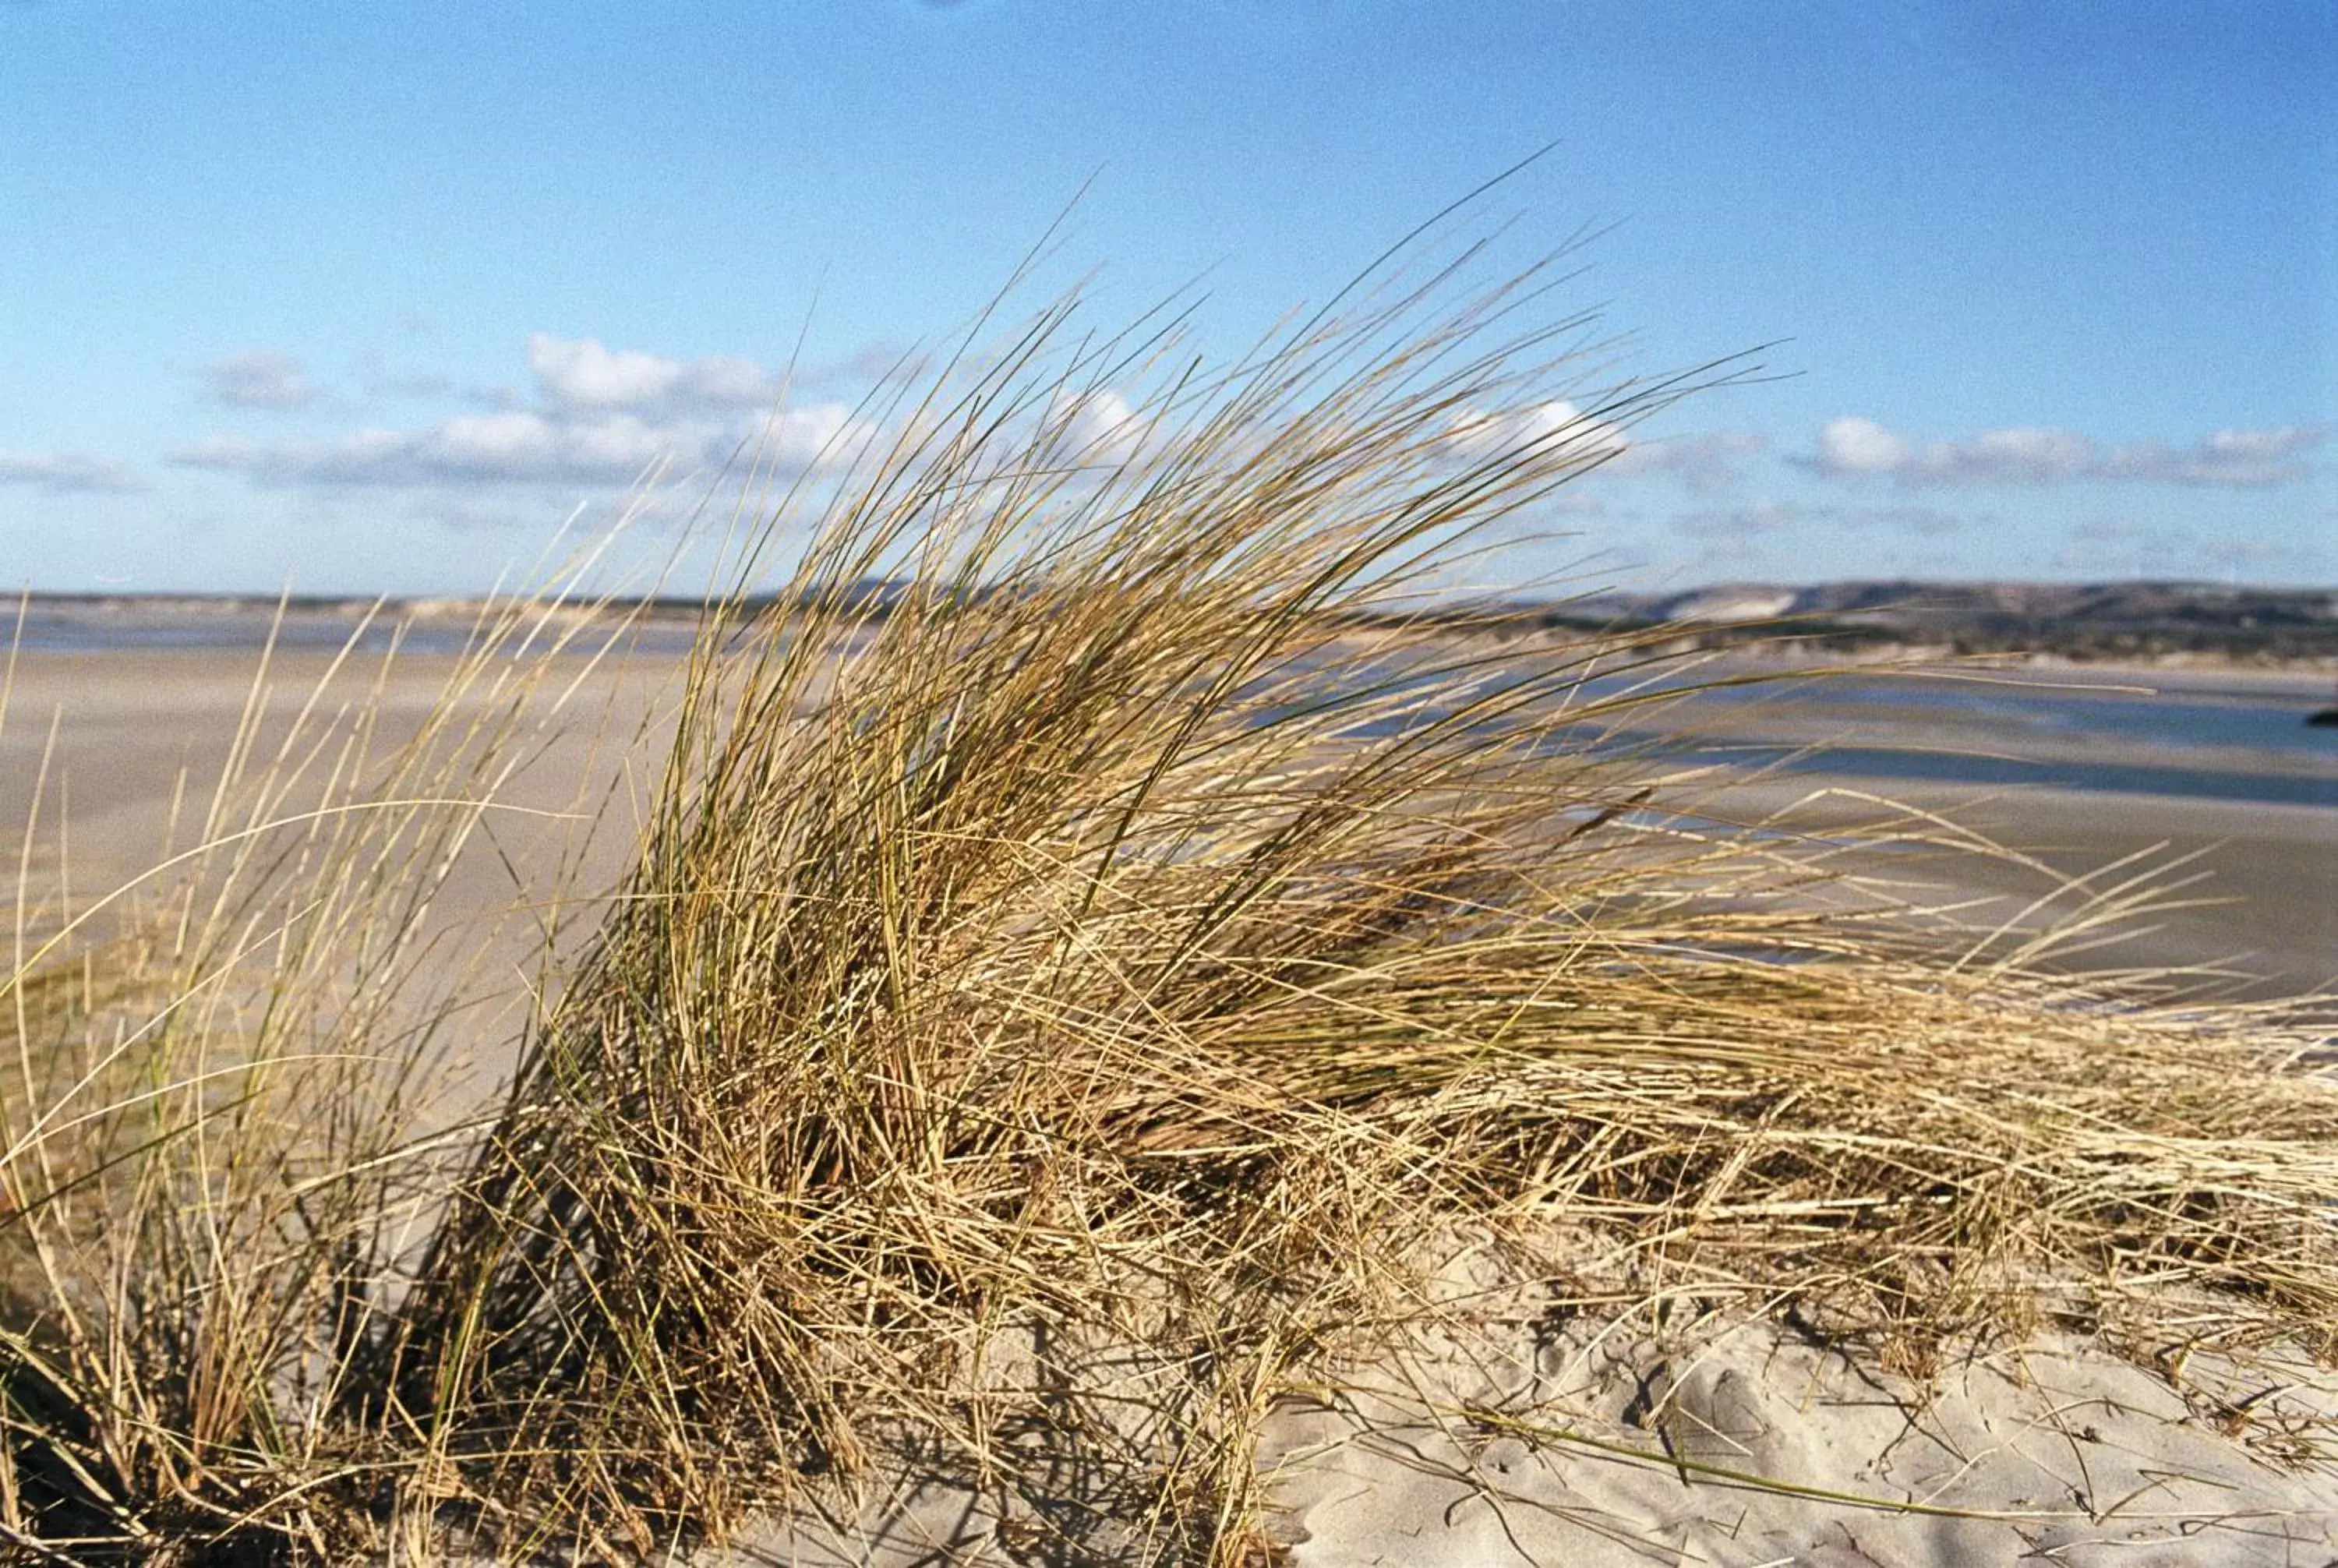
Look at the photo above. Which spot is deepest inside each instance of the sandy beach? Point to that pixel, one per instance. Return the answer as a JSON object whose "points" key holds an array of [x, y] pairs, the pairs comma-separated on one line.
{"points": [[2253, 884], [124, 749], [1717, 1436]]}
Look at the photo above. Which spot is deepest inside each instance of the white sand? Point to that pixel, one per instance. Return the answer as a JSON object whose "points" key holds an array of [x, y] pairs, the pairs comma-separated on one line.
{"points": [[1512, 1441], [2079, 1456]]}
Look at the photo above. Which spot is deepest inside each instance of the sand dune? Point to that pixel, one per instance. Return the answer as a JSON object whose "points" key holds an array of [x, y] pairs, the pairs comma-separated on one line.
{"points": [[1515, 1437], [1510, 1441]]}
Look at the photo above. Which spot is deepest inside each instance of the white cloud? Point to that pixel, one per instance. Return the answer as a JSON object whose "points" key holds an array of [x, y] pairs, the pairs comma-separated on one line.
{"points": [[815, 434], [68, 473], [599, 417], [260, 378], [729, 380], [2247, 459], [582, 373], [1096, 428], [514, 447], [1855, 448], [1711, 461], [2026, 455], [1555, 427], [1852, 445]]}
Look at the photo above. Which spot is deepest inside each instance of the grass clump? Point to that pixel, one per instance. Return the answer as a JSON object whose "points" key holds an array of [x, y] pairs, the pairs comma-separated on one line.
{"points": [[1091, 938]]}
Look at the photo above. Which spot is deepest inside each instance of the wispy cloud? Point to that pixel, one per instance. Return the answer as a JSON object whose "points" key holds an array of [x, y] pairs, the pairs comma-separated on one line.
{"points": [[1770, 516], [1715, 460], [260, 378], [1855, 449], [2236, 557], [1555, 426], [519, 446], [68, 473], [2123, 547], [1096, 428], [380, 381], [581, 373], [1920, 519], [2237, 457], [599, 418], [1738, 521]]}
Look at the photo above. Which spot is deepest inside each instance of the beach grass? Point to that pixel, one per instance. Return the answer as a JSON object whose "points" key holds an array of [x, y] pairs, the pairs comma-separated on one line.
{"points": [[1101, 923]]}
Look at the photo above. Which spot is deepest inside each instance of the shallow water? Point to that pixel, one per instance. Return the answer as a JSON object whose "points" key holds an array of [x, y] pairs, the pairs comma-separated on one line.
{"points": [[1948, 767], [2229, 744], [2251, 721], [2203, 742]]}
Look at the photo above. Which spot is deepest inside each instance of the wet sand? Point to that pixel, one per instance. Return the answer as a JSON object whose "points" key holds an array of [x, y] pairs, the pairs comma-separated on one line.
{"points": [[2245, 893], [107, 741], [127, 731]]}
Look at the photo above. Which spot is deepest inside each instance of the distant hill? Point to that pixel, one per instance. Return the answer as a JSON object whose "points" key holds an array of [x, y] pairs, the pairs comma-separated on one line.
{"points": [[2076, 621]]}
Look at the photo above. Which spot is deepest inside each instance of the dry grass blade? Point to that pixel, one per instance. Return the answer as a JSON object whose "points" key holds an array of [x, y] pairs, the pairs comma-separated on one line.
{"points": [[225, 1106]]}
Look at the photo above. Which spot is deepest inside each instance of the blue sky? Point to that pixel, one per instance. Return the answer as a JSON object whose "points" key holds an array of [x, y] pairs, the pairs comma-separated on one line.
{"points": [[368, 298]]}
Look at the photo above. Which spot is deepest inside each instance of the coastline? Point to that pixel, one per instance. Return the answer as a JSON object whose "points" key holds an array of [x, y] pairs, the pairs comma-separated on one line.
{"points": [[127, 720], [1628, 1439], [2248, 656]]}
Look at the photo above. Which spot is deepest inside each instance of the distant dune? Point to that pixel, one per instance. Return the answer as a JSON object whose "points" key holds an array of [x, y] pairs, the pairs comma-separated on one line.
{"points": [[2099, 620]]}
